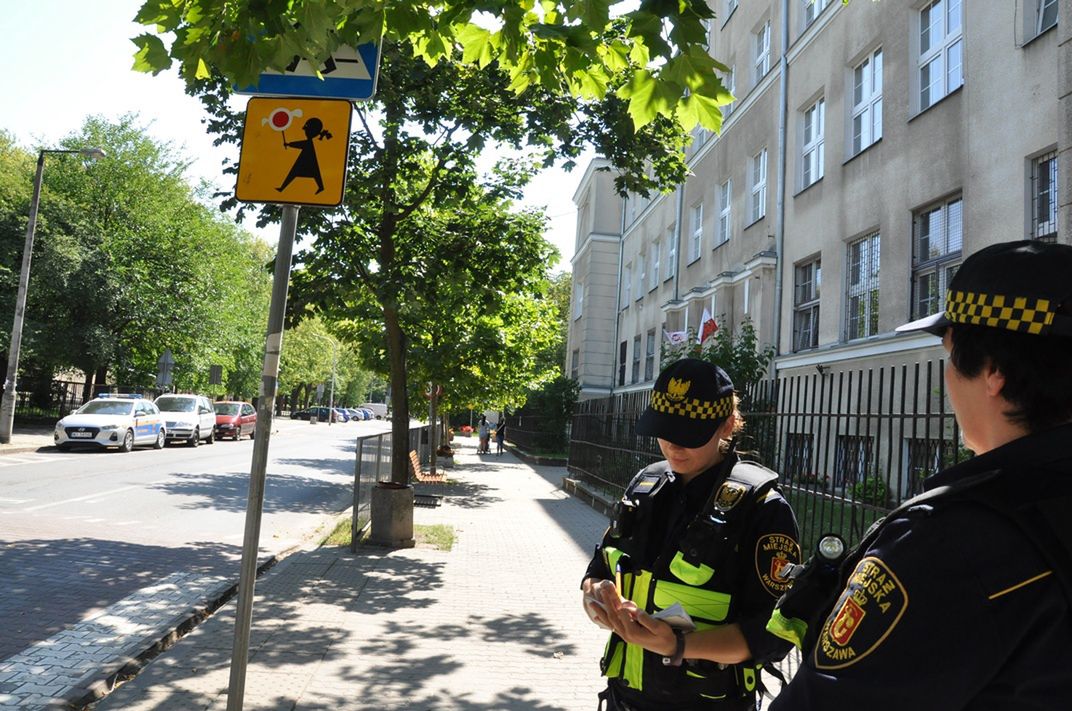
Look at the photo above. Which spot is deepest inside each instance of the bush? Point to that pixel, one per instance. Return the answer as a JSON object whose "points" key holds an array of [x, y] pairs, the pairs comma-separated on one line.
{"points": [[872, 490]]}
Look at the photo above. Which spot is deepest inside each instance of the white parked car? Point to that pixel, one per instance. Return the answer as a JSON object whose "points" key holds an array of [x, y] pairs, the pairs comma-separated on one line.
{"points": [[112, 421], [379, 409], [189, 418]]}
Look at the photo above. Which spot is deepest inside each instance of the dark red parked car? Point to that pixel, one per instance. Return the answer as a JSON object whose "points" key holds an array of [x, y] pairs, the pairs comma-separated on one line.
{"points": [[235, 419]]}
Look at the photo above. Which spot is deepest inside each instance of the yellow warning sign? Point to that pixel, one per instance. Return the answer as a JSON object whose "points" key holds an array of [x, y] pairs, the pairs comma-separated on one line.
{"points": [[294, 151]]}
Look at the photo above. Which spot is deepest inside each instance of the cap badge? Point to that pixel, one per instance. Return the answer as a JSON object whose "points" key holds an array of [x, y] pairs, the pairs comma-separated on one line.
{"points": [[677, 389]]}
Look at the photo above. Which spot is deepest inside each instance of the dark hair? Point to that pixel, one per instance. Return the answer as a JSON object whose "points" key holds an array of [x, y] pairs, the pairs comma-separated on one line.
{"points": [[1037, 370]]}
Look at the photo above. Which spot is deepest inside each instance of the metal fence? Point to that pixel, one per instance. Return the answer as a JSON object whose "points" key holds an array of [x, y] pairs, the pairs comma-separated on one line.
{"points": [[849, 446], [537, 433], [372, 465], [61, 399]]}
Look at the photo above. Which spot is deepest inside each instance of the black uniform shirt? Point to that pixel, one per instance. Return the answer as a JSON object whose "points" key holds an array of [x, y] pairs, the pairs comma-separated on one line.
{"points": [[769, 540], [952, 607]]}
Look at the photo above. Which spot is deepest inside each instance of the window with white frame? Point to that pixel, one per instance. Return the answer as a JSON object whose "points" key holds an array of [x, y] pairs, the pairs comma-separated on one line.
{"points": [[696, 233], [578, 299], [762, 54], [862, 305], [1044, 197], [867, 102], [730, 82], [812, 8], [627, 286], [759, 185], [670, 266], [636, 359], [807, 279], [649, 356], [728, 7], [811, 158], [641, 276], [725, 224], [653, 262], [1046, 15], [941, 50], [938, 239]]}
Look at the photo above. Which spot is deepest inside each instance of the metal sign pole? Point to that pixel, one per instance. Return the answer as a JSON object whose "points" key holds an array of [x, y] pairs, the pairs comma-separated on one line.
{"points": [[255, 502]]}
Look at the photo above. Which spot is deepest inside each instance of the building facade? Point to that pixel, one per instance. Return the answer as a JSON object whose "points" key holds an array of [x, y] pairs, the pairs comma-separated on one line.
{"points": [[870, 148]]}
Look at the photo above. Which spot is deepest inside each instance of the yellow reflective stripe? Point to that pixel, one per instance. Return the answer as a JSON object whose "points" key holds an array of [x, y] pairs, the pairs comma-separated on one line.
{"points": [[614, 661], [611, 556], [691, 574], [791, 629], [706, 604], [634, 654]]}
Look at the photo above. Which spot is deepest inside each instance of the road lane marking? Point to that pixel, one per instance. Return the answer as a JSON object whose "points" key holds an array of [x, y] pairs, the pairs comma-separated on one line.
{"points": [[94, 495]]}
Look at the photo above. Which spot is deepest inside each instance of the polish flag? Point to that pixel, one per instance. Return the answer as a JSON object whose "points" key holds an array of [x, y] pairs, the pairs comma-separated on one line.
{"points": [[708, 327]]}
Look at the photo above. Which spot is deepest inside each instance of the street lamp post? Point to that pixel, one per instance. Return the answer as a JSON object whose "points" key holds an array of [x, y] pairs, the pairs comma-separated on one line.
{"points": [[334, 362], [7, 405]]}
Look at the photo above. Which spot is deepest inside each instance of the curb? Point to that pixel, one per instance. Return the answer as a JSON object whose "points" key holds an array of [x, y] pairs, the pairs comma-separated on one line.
{"points": [[596, 500], [534, 459], [126, 667], [23, 449]]}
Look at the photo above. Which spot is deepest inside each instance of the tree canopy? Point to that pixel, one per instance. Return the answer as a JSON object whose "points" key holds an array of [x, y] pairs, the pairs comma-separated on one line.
{"points": [[130, 261], [652, 55]]}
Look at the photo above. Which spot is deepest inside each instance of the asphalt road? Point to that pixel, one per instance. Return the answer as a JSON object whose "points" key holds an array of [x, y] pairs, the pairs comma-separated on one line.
{"points": [[81, 530]]}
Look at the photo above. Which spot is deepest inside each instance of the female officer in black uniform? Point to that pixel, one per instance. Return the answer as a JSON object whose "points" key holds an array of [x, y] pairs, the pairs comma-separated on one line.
{"points": [[960, 599], [701, 529]]}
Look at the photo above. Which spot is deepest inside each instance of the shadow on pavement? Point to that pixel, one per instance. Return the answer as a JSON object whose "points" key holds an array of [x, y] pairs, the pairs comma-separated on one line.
{"points": [[230, 491], [52, 584]]}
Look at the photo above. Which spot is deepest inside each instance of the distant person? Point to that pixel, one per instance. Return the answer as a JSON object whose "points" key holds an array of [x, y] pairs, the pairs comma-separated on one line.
{"points": [[484, 431], [500, 435], [961, 598]]}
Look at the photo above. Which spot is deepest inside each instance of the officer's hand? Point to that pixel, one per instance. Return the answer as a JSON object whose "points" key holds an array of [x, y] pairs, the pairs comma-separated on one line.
{"points": [[638, 627], [593, 603]]}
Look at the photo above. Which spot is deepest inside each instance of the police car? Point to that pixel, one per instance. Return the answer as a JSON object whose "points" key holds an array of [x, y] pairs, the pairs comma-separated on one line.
{"points": [[119, 421]]}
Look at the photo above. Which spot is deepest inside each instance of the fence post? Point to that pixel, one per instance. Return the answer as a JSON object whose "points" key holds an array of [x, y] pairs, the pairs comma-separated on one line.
{"points": [[357, 495]]}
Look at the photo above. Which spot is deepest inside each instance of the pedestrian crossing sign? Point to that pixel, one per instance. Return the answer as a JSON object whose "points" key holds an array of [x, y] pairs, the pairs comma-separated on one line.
{"points": [[294, 151]]}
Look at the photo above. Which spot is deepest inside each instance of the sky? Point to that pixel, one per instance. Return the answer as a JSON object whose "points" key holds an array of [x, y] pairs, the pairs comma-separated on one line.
{"points": [[65, 60]]}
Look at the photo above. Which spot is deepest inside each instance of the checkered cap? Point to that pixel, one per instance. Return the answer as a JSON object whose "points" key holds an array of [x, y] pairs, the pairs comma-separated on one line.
{"points": [[1018, 286], [689, 402]]}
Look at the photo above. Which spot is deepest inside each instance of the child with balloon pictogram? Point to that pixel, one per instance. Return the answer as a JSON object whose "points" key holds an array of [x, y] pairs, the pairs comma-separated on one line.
{"points": [[306, 164]]}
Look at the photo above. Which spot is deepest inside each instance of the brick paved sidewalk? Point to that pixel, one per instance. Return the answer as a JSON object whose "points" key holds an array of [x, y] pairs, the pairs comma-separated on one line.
{"points": [[494, 624]]}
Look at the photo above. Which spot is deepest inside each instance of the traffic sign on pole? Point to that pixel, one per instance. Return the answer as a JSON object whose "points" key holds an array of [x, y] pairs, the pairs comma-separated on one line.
{"points": [[294, 151], [350, 73]]}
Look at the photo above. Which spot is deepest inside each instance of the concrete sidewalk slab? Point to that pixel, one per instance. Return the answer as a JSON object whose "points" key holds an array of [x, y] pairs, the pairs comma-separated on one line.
{"points": [[495, 623]]}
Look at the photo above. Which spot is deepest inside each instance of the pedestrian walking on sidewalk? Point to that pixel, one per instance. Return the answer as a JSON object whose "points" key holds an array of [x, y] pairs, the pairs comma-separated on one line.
{"points": [[962, 597], [484, 431], [705, 530], [500, 435]]}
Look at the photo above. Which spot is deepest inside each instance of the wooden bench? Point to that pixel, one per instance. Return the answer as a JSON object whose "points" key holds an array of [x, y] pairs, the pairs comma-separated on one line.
{"points": [[419, 474]]}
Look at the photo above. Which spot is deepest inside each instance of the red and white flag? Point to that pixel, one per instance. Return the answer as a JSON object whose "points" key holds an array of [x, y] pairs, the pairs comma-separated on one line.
{"points": [[708, 327], [676, 338]]}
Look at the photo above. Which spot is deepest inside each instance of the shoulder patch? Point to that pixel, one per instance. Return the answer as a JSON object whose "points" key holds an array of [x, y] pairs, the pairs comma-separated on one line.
{"points": [[729, 495], [870, 606], [774, 551]]}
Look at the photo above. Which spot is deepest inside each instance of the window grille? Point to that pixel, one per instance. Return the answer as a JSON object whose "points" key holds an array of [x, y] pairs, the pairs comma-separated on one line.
{"points": [[936, 253], [862, 317], [1044, 198], [807, 280]]}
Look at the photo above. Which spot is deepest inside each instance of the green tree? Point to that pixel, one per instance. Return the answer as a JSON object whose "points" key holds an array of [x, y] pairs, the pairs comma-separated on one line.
{"points": [[131, 261], [565, 46]]}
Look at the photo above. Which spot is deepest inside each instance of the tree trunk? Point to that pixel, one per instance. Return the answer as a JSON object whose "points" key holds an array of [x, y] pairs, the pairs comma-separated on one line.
{"points": [[87, 389], [396, 353]]}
